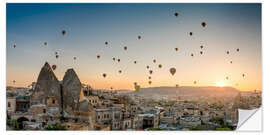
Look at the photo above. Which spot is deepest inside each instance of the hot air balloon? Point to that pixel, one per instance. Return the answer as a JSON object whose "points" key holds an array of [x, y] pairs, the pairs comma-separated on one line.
{"points": [[137, 87], [150, 71], [139, 37], [176, 49], [53, 67], [64, 32], [172, 71], [98, 56], [227, 78], [160, 66], [45, 43], [195, 82], [192, 55], [74, 58], [201, 52], [201, 47], [118, 60], [56, 56], [120, 71], [104, 75], [14, 81], [106, 43], [176, 85], [14, 46], [237, 49], [111, 88], [113, 59], [227, 52], [190, 33], [150, 82], [125, 48], [203, 24], [56, 53], [135, 62], [243, 75], [176, 14], [135, 83], [231, 62], [147, 67], [149, 77], [154, 61]]}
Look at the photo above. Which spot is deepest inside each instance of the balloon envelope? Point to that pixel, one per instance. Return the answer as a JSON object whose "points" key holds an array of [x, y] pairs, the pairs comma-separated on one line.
{"points": [[53, 67], [172, 71], [137, 87], [203, 24]]}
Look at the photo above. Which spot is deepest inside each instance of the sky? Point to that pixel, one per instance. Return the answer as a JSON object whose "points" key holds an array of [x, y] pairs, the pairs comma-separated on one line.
{"points": [[89, 26]]}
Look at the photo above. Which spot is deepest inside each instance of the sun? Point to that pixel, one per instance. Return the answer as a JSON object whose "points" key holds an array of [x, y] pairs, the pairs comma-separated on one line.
{"points": [[221, 84]]}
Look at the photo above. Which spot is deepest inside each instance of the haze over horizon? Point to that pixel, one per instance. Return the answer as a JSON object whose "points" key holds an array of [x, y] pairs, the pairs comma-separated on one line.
{"points": [[89, 26]]}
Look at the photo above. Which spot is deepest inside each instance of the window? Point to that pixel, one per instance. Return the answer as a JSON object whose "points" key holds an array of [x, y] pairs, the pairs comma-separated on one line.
{"points": [[9, 104], [53, 101]]}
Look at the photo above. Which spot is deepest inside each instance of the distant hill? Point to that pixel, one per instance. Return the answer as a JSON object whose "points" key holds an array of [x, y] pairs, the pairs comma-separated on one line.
{"points": [[187, 91]]}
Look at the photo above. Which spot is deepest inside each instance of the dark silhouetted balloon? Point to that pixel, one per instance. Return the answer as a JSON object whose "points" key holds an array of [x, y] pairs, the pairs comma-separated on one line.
{"points": [[120, 71], [149, 77], [125, 48], [53, 67], [74, 58], [139, 37], [243, 75], [106, 43], [14, 46], [176, 14], [172, 71], [190, 33], [154, 61], [135, 62], [45, 43], [147, 67], [201, 52], [135, 83], [203, 24], [201, 47], [228, 52], [111, 88], [64, 32], [231, 62], [98, 56], [237, 50], [192, 55], [176, 49], [227, 78], [150, 71], [150, 82], [14, 81], [56, 56], [113, 59], [118, 60], [104, 75]]}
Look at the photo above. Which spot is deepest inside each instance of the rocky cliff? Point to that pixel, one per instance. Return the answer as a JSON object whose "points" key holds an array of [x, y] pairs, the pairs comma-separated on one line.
{"points": [[72, 87], [47, 86]]}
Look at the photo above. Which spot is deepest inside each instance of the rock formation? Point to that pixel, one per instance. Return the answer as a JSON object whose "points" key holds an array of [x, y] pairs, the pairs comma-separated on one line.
{"points": [[47, 86], [71, 87]]}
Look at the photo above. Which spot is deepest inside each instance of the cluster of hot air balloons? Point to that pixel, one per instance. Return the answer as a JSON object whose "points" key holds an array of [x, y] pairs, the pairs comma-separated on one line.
{"points": [[137, 87]]}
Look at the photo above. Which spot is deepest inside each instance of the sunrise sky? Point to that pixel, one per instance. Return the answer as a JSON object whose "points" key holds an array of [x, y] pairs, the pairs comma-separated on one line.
{"points": [[89, 26]]}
